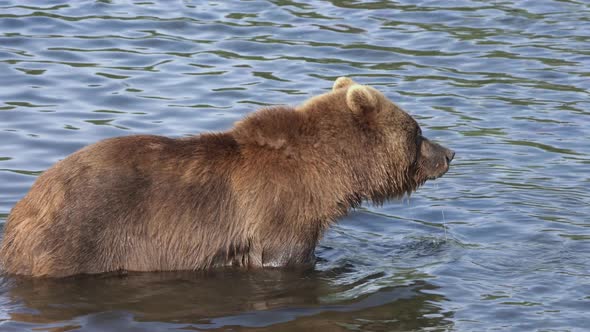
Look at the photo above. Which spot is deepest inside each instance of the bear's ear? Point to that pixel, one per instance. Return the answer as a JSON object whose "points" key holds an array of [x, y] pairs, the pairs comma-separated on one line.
{"points": [[362, 99], [342, 82]]}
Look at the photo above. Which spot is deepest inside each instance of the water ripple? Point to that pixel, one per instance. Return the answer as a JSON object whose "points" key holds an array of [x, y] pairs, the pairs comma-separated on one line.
{"points": [[500, 243]]}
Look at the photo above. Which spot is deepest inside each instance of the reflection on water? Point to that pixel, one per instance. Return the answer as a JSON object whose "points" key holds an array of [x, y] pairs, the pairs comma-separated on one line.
{"points": [[224, 298], [500, 242]]}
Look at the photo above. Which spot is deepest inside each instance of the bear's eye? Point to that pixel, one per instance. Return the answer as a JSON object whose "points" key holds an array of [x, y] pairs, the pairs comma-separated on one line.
{"points": [[418, 148], [418, 136]]}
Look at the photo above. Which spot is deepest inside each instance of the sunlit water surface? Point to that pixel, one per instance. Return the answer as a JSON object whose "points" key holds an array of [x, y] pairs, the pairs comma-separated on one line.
{"points": [[502, 242]]}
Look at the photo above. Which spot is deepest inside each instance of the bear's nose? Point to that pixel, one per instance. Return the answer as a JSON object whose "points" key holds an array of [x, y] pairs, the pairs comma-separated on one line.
{"points": [[450, 154]]}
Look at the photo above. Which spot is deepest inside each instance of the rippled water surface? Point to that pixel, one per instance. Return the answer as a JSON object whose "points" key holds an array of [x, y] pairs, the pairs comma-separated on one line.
{"points": [[502, 242]]}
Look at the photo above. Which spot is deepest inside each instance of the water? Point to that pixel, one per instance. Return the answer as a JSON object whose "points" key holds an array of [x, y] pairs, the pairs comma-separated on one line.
{"points": [[500, 243]]}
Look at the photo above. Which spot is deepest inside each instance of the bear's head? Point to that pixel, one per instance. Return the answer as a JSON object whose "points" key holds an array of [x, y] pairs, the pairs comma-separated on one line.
{"points": [[400, 158]]}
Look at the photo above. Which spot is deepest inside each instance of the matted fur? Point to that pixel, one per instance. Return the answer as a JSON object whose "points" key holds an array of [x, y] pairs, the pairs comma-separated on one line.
{"points": [[260, 194]]}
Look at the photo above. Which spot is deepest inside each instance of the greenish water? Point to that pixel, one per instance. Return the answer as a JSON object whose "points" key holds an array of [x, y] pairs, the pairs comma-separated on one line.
{"points": [[501, 242]]}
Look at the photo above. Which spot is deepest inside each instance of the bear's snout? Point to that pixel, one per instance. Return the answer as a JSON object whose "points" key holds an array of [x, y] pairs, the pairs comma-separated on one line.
{"points": [[450, 154], [434, 160]]}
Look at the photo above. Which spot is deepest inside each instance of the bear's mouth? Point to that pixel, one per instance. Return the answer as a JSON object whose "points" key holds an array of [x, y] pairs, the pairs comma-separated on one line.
{"points": [[441, 173], [434, 177], [431, 171]]}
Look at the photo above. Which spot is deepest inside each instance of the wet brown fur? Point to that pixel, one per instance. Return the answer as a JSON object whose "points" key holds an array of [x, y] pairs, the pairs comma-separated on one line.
{"points": [[258, 195]]}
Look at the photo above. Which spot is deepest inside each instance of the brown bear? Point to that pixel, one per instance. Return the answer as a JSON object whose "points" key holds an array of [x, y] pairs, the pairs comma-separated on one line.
{"points": [[258, 195]]}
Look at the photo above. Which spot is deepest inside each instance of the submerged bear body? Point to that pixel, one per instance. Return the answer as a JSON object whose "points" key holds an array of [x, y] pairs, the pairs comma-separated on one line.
{"points": [[260, 194]]}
